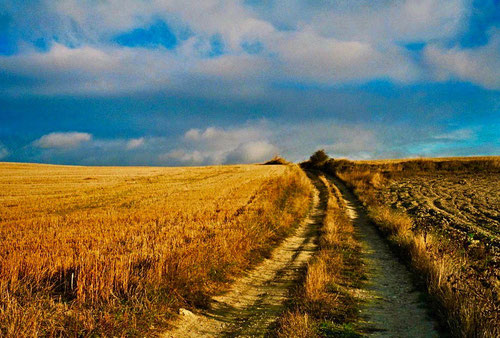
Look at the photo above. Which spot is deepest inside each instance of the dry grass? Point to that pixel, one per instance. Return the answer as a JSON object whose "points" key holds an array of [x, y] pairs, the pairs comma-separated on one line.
{"points": [[114, 251], [296, 325], [323, 301], [469, 308], [450, 164]]}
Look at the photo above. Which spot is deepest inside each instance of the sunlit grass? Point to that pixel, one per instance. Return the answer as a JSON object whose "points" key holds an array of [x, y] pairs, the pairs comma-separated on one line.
{"points": [[323, 301], [114, 251]]}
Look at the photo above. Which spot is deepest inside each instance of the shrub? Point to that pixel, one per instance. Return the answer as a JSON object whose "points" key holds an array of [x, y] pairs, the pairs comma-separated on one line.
{"points": [[277, 160], [319, 158]]}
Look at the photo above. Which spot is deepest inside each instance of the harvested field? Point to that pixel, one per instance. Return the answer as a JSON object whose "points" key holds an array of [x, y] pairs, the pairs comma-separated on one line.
{"points": [[468, 202], [116, 251]]}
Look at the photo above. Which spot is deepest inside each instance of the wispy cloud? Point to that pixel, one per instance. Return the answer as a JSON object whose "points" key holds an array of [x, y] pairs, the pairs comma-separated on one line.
{"points": [[456, 135], [258, 141], [4, 152]]}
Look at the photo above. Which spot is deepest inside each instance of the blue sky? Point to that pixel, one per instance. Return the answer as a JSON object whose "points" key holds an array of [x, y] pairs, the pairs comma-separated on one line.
{"points": [[128, 82]]}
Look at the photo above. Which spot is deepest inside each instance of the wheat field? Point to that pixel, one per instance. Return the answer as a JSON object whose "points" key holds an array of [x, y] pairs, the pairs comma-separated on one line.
{"points": [[116, 250]]}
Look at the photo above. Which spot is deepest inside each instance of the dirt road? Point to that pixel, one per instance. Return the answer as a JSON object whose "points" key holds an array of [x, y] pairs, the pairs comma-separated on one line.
{"points": [[256, 300], [391, 304], [392, 307]]}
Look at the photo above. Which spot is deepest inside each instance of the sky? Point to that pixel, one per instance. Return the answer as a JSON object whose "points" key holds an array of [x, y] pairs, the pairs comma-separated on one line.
{"points": [[180, 83]]}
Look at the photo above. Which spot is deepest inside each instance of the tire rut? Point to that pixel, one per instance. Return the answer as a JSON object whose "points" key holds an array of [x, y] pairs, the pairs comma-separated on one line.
{"points": [[255, 301], [392, 305]]}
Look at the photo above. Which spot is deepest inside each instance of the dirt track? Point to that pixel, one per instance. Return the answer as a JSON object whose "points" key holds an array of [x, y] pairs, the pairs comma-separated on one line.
{"points": [[256, 300], [392, 307]]}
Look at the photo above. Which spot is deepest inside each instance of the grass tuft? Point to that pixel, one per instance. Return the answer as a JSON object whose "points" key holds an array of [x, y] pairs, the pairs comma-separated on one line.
{"points": [[296, 325]]}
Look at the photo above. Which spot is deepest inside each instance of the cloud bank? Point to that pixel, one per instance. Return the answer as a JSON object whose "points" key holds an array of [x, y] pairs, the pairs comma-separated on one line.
{"points": [[237, 81], [257, 142], [226, 42]]}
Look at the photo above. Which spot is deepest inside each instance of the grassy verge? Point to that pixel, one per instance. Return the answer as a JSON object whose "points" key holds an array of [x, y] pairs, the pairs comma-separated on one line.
{"points": [[322, 304], [466, 307]]}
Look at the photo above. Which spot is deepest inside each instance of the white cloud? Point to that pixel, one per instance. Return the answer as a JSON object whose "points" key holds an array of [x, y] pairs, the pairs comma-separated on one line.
{"points": [[193, 134], [256, 142], [479, 65], [235, 67], [197, 134], [114, 70], [187, 158], [238, 20], [338, 139], [248, 143], [213, 145], [104, 70], [213, 138], [382, 22], [354, 140], [228, 18], [252, 152], [309, 56], [357, 144], [62, 140], [135, 143], [4, 152], [325, 42]]}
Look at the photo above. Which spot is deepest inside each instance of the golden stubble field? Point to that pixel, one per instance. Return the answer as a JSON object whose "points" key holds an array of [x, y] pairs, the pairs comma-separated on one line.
{"points": [[115, 250]]}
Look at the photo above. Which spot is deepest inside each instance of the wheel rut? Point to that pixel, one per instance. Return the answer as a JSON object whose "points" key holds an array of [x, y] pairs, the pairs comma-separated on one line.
{"points": [[391, 304], [255, 301]]}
